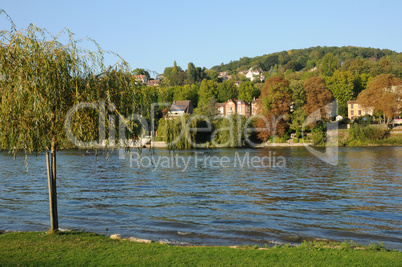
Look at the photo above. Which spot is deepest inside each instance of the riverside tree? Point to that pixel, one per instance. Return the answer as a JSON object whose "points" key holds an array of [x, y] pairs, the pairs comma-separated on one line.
{"points": [[318, 97], [383, 95], [276, 101], [40, 80]]}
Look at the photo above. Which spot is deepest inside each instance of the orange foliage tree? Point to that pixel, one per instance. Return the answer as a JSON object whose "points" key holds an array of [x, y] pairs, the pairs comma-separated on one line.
{"points": [[384, 96], [275, 106], [318, 98]]}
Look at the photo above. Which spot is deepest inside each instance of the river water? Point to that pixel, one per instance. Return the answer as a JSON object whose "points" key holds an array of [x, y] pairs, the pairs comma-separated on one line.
{"points": [[212, 197]]}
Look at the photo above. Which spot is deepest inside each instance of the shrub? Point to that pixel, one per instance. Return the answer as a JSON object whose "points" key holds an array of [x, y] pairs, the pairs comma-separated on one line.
{"points": [[318, 136], [359, 134]]}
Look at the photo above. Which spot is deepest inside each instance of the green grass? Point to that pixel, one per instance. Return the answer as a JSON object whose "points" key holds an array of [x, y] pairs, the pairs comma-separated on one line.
{"points": [[78, 249]]}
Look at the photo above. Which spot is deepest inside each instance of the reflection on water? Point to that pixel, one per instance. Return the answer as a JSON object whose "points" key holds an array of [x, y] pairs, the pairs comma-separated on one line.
{"points": [[360, 199]]}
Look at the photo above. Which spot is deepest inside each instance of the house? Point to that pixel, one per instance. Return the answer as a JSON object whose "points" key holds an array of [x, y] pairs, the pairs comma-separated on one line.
{"points": [[221, 109], [313, 69], [234, 107], [223, 75], [255, 106], [141, 78], [243, 108], [254, 74], [154, 82], [244, 72], [237, 83], [180, 107], [355, 110]]}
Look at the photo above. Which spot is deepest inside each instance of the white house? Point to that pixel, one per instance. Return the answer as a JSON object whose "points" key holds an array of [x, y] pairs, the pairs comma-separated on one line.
{"points": [[254, 74]]}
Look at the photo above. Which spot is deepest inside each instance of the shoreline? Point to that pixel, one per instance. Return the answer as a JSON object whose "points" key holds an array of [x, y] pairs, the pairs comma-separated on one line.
{"points": [[269, 244], [77, 248]]}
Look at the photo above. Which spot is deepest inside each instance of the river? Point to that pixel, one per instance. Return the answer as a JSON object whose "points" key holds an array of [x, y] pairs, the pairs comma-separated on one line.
{"points": [[212, 197]]}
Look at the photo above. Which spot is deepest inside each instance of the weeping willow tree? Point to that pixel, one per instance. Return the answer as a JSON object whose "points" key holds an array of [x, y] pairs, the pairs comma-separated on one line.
{"points": [[230, 131], [40, 80], [177, 132]]}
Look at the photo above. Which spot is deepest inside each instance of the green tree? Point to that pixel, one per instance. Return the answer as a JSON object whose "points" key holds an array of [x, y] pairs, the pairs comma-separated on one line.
{"points": [[208, 109], [247, 91], [41, 79], [360, 83], [329, 64], [212, 74], [139, 71], [227, 90], [341, 84], [230, 131], [208, 89], [298, 93], [174, 75], [186, 92], [194, 74]]}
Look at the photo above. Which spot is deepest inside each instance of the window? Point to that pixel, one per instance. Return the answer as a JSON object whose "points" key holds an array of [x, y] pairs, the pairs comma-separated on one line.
{"points": [[359, 106], [351, 106], [239, 108], [360, 112], [352, 112]]}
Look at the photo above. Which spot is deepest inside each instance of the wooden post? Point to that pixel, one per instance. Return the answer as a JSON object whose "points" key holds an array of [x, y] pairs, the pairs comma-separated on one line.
{"points": [[50, 186], [55, 213], [51, 176]]}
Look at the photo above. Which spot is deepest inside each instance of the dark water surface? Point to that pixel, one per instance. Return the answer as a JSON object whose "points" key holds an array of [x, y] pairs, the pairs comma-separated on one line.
{"points": [[359, 200]]}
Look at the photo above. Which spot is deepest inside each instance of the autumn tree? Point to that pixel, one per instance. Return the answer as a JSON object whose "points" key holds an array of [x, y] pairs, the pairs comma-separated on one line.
{"points": [[383, 95], [318, 97], [275, 105]]}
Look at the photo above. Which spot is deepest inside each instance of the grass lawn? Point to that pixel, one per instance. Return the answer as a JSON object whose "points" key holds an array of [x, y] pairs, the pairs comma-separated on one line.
{"points": [[78, 249]]}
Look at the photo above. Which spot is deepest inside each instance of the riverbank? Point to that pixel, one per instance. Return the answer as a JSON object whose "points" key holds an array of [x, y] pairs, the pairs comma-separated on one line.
{"points": [[77, 248]]}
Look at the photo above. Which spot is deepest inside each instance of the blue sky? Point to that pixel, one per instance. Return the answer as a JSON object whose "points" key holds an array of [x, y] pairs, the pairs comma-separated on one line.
{"points": [[153, 34]]}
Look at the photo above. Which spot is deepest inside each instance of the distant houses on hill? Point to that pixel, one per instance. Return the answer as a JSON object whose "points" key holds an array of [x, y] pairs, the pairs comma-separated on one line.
{"points": [[251, 74], [144, 80]]}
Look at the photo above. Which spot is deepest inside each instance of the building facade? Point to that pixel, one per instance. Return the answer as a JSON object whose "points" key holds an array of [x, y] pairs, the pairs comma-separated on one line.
{"points": [[356, 110]]}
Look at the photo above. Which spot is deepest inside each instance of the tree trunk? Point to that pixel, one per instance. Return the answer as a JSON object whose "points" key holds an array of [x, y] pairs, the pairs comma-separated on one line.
{"points": [[51, 175]]}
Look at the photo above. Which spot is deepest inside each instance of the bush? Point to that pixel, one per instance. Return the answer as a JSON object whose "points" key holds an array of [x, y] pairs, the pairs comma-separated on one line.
{"points": [[359, 134], [364, 120], [318, 136]]}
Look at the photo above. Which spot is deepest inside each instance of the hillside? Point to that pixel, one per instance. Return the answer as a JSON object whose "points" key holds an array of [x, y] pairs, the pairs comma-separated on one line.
{"points": [[307, 59]]}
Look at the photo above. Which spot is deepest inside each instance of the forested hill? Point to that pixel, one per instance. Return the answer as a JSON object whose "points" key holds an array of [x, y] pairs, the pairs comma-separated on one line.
{"points": [[299, 59]]}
